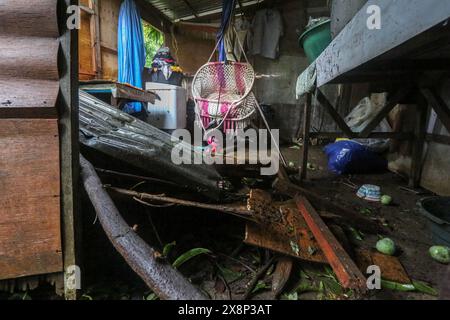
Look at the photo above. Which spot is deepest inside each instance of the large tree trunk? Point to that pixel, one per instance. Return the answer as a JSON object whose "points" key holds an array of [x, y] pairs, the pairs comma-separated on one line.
{"points": [[164, 280]]}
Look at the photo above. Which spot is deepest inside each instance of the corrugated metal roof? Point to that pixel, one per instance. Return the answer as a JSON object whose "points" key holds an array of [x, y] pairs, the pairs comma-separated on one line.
{"points": [[184, 9]]}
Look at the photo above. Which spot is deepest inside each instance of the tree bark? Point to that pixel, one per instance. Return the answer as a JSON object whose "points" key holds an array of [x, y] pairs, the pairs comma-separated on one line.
{"points": [[164, 280]]}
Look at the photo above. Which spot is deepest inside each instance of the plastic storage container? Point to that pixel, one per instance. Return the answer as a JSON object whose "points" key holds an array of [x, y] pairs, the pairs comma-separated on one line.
{"points": [[169, 113]]}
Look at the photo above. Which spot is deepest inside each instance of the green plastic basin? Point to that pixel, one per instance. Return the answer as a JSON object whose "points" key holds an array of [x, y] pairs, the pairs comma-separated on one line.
{"points": [[315, 40]]}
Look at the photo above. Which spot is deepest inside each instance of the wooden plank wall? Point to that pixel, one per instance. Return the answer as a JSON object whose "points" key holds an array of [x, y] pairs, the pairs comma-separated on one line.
{"points": [[30, 228], [28, 58], [108, 19], [87, 68]]}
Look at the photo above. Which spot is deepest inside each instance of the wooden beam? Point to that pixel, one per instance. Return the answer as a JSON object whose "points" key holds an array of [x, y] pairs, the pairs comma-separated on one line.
{"points": [[343, 266], [420, 132], [373, 135], [153, 16], [306, 129], [322, 99], [188, 4], [383, 113], [438, 138], [96, 42], [438, 105]]}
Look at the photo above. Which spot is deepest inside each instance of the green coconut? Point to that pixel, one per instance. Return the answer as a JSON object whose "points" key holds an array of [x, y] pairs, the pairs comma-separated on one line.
{"points": [[440, 254], [386, 246]]}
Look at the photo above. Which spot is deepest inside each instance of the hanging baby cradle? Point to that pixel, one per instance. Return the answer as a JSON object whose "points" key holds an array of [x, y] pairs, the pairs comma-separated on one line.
{"points": [[222, 91], [223, 95]]}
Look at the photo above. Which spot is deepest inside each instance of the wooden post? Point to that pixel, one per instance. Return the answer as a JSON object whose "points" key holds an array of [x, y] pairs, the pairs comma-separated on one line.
{"points": [[418, 142], [68, 106], [306, 128], [95, 27]]}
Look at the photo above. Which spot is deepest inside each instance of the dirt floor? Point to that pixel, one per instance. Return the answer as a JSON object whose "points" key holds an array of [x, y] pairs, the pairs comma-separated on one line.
{"points": [[407, 226], [227, 268]]}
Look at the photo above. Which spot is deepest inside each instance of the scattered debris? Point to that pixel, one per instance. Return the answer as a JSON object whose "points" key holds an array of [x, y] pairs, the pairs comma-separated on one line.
{"points": [[137, 143], [348, 215], [252, 285], [185, 257], [366, 211], [414, 286], [416, 191], [347, 272], [295, 248], [370, 192], [281, 275], [357, 235], [311, 166]]}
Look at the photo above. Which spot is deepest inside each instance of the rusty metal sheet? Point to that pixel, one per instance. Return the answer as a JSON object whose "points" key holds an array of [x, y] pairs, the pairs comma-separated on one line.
{"points": [[285, 237], [137, 143], [391, 268]]}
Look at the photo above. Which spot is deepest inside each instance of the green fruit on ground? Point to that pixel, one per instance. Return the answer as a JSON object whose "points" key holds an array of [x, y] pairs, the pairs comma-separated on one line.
{"points": [[386, 246], [386, 200], [440, 254]]}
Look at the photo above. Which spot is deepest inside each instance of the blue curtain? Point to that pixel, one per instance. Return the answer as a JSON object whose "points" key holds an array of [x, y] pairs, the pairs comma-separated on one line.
{"points": [[131, 49], [227, 13]]}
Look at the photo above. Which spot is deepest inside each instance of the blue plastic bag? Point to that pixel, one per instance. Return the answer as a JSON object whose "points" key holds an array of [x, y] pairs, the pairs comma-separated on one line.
{"points": [[349, 157]]}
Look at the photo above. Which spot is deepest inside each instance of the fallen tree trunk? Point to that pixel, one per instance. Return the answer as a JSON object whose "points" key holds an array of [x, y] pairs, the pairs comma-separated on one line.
{"points": [[164, 280]]}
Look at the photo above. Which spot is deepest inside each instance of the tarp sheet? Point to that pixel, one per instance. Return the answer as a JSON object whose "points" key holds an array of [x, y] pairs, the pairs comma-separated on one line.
{"points": [[131, 49]]}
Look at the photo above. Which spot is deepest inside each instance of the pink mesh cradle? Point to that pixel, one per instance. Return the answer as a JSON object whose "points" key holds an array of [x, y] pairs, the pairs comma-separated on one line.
{"points": [[222, 93]]}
